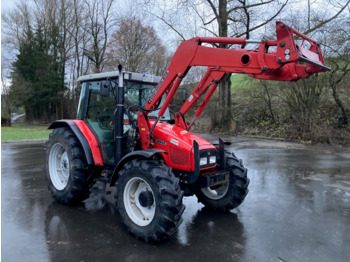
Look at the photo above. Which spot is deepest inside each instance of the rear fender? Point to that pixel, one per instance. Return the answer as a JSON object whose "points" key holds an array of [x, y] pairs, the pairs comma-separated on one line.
{"points": [[85, 137], [146, 154]]}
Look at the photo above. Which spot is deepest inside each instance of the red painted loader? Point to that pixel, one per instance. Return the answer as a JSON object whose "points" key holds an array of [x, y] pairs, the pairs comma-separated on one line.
{"points": [[124, 135]]}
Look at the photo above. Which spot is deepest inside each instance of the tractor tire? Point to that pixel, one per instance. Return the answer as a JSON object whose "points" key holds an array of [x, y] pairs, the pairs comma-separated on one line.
{"points": [[149, 199], [69, 178], [230, 195]]}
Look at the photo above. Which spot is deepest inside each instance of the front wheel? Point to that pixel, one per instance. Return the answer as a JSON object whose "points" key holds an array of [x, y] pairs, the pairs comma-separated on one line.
{"points": [[69, 178], [229, 195], [149, 199]]}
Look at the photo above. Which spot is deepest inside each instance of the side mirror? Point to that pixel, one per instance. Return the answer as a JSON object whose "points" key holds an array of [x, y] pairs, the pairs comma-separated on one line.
{"points": [[184, 94], [105, 88]]}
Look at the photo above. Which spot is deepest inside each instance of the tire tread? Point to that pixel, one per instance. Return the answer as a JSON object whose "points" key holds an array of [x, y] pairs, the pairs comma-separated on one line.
{"points": [[78, 188], [170, 208], [238, 188]]}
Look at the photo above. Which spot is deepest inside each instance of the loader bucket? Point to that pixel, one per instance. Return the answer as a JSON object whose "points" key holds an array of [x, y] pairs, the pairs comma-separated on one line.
{"points": [[309, 51]]}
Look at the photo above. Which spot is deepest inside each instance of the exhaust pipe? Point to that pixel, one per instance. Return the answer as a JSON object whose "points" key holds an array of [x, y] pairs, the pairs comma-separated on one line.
{"points": [[119, 118]]}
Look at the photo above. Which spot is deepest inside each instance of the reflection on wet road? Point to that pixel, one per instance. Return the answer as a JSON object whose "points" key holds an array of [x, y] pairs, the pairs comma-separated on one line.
{"points": [[298, 209]]}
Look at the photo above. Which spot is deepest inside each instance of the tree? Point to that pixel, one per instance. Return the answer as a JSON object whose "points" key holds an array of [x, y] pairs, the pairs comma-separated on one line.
{"points": [[6, 104], [100, 22], [37, 76], [75, 32], [330, 26], [222, 18], [341, 69], [136, 47], [13, 30], [340, 64], [79, 37]]}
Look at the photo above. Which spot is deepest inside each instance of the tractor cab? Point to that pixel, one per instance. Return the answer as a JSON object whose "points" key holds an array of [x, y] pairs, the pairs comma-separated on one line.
{"points": [[96, 106]]}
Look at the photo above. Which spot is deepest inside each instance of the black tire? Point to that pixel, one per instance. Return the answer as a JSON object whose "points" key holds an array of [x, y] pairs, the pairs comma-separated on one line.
{"points": [[157, 217], [227, 196], [69, 178]]}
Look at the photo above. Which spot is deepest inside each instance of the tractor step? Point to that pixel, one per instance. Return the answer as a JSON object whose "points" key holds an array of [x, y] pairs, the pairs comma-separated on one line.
{"points": [[97, 190], [104, 180]]}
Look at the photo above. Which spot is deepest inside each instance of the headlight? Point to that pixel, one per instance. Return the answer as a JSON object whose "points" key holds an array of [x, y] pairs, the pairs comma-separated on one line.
{"points": [[203, 161], [212, 160], [207, 158]]}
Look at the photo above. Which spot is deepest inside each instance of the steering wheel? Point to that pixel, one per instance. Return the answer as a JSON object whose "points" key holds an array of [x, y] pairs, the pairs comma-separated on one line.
{"points": [[104, 121], [93, 108]]}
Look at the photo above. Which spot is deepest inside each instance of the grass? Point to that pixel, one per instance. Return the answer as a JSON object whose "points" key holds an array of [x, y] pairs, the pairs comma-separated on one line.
{"points": [[240, 83], [19, 132]]}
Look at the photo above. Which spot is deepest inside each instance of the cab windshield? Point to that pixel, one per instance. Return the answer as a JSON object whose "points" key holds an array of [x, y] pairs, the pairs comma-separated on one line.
{"points": [[99, 110]]}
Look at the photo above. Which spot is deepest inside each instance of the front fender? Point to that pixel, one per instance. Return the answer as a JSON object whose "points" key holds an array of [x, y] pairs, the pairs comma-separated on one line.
{"points": [[85, 137], [148, 153]]}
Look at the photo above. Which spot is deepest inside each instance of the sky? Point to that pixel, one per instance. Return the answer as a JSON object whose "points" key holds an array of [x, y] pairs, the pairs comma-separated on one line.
{"points": [[7, 4]]}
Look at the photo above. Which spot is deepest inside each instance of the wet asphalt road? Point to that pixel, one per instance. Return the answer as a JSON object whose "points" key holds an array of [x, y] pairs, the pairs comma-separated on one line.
{"points": [[298, 209]]}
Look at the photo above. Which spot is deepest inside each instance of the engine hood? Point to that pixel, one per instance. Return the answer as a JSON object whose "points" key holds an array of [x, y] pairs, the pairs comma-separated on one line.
{"points": [[179, 144], [179, 137]]}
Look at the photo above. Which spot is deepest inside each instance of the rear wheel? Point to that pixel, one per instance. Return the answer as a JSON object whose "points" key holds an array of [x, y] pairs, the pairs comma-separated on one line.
{"points": [[67, 172], [149, 199], [228, 195]]}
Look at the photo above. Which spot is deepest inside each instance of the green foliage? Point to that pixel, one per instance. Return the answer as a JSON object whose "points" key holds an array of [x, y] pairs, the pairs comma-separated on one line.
{"points": [[240, 83], [37, 77], [303, 111]]}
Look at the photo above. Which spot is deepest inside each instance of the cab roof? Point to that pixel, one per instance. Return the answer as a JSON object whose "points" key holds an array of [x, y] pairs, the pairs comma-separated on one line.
{"points": [[127, 76]]}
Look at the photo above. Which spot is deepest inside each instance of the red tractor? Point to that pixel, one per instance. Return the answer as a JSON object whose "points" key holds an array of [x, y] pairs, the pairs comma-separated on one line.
{"points": [[124, 134]]}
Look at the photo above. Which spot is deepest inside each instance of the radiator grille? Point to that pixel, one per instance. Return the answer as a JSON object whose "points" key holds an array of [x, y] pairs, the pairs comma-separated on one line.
{"points": [[178, 156]]}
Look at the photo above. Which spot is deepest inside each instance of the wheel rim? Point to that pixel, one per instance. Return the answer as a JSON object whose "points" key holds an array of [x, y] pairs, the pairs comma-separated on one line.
{"points": [[59, 166], [215, 193], [139, 210]]}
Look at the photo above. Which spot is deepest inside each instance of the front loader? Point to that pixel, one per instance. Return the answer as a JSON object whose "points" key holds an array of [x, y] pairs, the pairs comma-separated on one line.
{"points": [[124, 135]]}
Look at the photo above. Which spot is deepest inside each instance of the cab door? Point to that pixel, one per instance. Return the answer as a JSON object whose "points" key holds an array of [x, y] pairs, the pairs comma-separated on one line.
{"points": [[99, 117]]}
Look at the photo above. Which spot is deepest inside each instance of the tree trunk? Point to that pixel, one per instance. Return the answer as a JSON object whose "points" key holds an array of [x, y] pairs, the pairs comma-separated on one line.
{"points": [[223, 110], [345, 120]]}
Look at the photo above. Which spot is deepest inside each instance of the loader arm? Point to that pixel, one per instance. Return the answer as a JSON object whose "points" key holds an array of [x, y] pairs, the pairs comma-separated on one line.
{"points": [[288, 62]]}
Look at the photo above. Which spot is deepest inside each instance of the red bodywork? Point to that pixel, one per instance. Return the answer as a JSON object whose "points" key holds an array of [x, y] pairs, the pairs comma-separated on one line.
{"points": [[288, 63], [179, 145], [90, 137]]}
